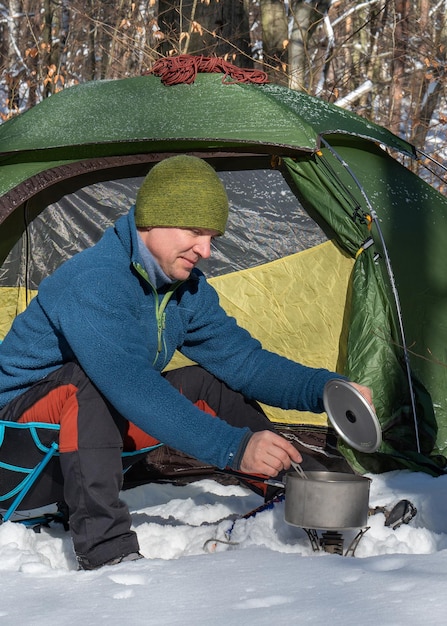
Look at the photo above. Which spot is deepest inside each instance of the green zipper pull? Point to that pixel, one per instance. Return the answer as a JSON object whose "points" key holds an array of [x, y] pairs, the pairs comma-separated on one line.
{"points": [[160, 315], [161, 325]]}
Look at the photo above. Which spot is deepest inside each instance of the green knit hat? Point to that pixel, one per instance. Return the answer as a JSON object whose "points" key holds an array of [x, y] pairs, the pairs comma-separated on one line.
{"points": [[184, 192]]}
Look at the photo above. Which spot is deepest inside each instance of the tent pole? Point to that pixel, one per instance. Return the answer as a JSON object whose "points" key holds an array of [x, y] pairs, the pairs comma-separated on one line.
{"points": [[430, 158], [435, 162], [375, 220]]}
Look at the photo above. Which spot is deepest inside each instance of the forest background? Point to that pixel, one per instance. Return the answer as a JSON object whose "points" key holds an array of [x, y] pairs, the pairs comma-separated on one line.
{"points": [[383, 59]]}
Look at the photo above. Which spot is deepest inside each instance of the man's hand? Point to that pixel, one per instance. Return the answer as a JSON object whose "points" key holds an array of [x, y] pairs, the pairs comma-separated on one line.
{"points": [[365, 391], [268, 453]]}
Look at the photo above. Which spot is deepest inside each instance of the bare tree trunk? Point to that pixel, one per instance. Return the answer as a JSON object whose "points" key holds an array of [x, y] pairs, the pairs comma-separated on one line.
{"points": [[45, 48], [14, 10], [64, 28], [113, 22], [399, 62], [274, 40], [90, 66], [433, 78], [107, 18], [14, 57], [234, 41], [147, 36], [307, 15]]}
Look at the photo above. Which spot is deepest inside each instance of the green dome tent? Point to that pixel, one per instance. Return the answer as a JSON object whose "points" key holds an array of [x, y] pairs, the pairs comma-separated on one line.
{"points": [[334, 254]]}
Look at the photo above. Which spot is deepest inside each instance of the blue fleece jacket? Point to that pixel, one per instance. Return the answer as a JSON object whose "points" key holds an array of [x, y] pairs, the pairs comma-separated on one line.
{"points": [[99, 309]]}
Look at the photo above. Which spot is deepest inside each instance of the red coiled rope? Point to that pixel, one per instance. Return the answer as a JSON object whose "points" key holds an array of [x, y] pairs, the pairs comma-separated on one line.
{"points": [[184, 69]]}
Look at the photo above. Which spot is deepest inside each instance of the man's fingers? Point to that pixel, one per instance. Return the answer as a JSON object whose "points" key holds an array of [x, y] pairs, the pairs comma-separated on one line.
{"points": [[268, 453], [290, 451], [365, 391]]}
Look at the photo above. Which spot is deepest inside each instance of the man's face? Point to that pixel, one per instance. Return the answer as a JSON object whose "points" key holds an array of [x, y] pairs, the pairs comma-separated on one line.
{"points": [[178, 250]]}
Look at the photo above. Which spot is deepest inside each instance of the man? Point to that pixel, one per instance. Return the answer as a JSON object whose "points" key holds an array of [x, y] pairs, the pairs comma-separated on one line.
{"points": [[89, 351]]}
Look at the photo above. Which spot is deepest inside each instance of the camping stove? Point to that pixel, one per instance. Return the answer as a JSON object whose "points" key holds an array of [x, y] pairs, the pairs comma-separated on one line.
{"points": [[332, 541], [329, 502]]}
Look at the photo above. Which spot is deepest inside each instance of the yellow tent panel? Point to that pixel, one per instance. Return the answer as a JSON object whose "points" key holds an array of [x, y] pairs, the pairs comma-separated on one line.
{"points": [[296, 306], [13, 300]]}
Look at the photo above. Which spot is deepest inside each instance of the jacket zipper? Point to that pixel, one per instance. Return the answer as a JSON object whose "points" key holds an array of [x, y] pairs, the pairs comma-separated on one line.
{"points": [[160, 313]]}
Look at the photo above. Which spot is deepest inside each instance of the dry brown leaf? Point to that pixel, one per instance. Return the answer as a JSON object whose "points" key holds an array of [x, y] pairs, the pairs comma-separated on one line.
{"points": [[31, 53], [196, 28]]}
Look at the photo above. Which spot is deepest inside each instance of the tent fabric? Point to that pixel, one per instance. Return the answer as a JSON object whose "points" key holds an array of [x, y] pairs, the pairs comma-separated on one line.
{"points": [[310, 184], [295, 306], [373, 345], [71, 126], [290, 118], [13, 300]]}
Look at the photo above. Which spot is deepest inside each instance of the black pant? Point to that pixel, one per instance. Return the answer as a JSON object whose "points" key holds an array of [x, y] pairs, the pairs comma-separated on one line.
{"points": [[91, 443]]}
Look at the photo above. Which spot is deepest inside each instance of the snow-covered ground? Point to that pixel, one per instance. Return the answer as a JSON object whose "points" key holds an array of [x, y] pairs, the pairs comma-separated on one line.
{"points": [[269, 574]]}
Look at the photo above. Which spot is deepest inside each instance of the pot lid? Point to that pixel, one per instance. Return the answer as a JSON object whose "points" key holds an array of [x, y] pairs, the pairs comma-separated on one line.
{"points": [[352, 416]]}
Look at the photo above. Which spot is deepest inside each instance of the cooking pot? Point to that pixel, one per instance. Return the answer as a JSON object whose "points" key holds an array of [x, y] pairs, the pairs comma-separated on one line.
{"points": [[326, 500]]}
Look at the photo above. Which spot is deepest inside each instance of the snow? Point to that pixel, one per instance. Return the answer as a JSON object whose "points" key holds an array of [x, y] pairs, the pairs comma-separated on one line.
{"points": [[267, 573]]}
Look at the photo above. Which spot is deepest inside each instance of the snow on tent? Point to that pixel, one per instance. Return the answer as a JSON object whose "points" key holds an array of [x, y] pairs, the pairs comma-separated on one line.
{"points": [[335, 252]]}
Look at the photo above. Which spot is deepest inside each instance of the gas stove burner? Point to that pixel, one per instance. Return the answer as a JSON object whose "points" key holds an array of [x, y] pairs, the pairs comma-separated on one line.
{"points": [[332, 541]]}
